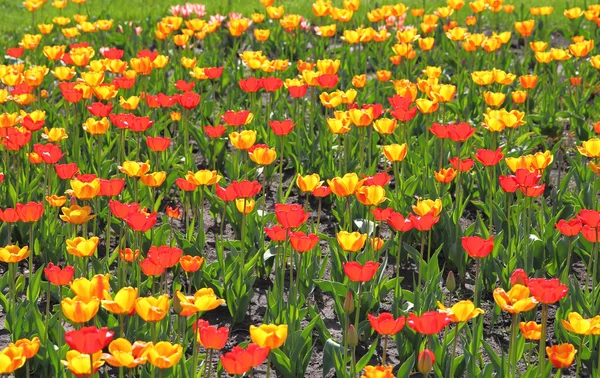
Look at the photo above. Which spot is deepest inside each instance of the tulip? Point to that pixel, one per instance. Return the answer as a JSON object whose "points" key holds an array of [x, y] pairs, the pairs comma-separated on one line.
{"points": [[152, 309], [372, 195], [429, 323], [123, 354], [385, 324], [57, 276], [80, 309], [123, 302], [76, 215], [351, 242], [239, 361], [561, 356], [164, 355], [82, 247], [81, 364], [531, 330], [270, 336]]}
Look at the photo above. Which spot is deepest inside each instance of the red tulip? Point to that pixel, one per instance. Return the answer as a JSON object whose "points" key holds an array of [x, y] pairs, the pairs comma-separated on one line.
{"points": [[508, 183], [189, 100], [140, 124], [66, 171], [167, 101], [184, 86], [112, 187], [276, 233], [425, 222], [590, 234], [239, 361], [30, 212], [89, 340], [525, 178], [461, 165], [379, 179], [1, 177], [98, 109], [165, 256], [519, 277], [185, 185], [377, 109], [547, 291], [58, 276], [360, 273], [321, 191], [211, 337], [123, 82], [112, 53], [121, 121], [271, 84], [151, 268], [9, 215], [440, 131], [213, 72], [121, 210], [533, 191], [49, 153], [236, 119], [250, 85], [141, 221], [385, 324], [226, 194], [31, 125], [158, 144], [589, 217], [298, 91], [147, 54], [460, 132], [14, 139], [430, 323], [327, 81], [282, 128], [245, 188], [302, 242], [489, 157], [478, 247], [290, 216], [399, 101], [152, 101], [399, 223], [15, 52], [382, 215], [215, 131]]}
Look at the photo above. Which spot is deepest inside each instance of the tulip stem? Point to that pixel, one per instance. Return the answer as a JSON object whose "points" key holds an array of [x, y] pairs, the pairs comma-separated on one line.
{"points": [[268, 366], [454, 343], [195, 341], [92, 365], [385, 344], [542, 350], [47, 312], [209, 362], [512, 345], [280, 187], [420, 273], [397, 277], [201, 231], [30, 261], [579, 351]]}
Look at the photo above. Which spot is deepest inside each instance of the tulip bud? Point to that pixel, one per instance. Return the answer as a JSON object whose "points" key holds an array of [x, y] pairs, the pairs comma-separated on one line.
{"points": [[451, 282], [426, 361], [351, 335], [519, 277], [349, 303]]}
